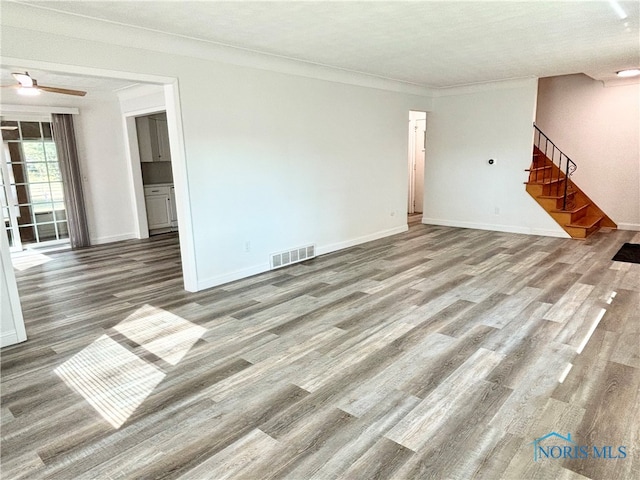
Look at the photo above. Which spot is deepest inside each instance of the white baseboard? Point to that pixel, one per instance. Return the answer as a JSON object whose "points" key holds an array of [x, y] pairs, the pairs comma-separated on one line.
{"points": [[635, 227], [9, 338], [359, 240], [113, 238], [497, 228], [232, 276], [265, 267]]}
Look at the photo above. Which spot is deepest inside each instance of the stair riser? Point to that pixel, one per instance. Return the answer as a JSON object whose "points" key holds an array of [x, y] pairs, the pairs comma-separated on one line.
{"points": [[560, 202], [594, 229], [577, 232], [534, 190], [578, 215], [580, 222], [564, 218], [548, 204], [561, 218], [555, 189]]}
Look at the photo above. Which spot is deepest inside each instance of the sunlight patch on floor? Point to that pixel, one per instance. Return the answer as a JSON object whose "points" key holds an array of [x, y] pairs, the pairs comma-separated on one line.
{"points": [[112, 379], [27, 259], [565, 372], [162, 333], [116, 381]]}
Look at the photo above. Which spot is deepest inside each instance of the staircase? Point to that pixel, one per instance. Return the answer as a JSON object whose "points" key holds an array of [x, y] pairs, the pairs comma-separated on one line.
{"points": [[551, 186]]}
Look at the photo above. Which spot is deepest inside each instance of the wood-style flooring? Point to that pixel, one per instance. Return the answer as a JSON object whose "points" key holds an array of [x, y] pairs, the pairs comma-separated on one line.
{"points": [[438, 353]]}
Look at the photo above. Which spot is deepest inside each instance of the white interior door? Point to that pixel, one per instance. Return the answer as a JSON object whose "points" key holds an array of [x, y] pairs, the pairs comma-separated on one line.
{"points": [[418, 195], [412, 163], [417, 139]]}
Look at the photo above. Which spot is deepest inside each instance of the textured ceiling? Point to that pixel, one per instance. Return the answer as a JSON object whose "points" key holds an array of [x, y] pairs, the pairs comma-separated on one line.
{"points": [[436, 44]]}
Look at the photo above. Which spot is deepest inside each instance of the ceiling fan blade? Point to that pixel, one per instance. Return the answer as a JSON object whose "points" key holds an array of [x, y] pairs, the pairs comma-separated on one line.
{"points": [[64, 91]]}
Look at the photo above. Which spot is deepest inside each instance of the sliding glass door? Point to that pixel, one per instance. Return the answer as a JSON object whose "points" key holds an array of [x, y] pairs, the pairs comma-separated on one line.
{"points": [[32, 191]]}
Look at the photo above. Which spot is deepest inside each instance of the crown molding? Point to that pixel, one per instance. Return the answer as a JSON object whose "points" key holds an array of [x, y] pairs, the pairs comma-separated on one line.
{"points": [[42, 18], [483, 87], [622, 82]]}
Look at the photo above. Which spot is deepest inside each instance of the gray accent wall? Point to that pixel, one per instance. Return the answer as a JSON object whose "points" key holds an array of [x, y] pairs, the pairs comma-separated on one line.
{"points": [[156, 172]]}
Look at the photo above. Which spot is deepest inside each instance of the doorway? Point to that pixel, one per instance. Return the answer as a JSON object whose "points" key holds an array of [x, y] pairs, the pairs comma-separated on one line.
{"points": [[157, 174], [417, 147]]}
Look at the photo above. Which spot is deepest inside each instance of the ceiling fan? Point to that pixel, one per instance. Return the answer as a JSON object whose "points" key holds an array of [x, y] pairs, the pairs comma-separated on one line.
{"points": [[29, 86]]}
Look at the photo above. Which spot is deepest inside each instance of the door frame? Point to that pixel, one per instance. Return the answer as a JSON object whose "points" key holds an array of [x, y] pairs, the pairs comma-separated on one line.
{"points": [[411, 154], [412, 170], [176, 142], [132, 149]]}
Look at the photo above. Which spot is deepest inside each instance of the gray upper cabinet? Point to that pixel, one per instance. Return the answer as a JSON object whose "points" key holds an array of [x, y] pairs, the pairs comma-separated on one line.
{"points": [[153, 138]]}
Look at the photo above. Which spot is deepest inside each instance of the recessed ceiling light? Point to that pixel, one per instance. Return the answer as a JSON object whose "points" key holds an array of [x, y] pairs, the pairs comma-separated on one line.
{"points": [[632, 72]]}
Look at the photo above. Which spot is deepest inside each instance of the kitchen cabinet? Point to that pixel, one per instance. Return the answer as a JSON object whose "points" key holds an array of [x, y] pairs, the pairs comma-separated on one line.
{"points": [[153, 138], [158, 203], [161, 149]]}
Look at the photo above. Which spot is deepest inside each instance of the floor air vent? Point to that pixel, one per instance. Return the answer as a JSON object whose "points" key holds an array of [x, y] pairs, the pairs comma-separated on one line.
{"points": [[292, 256]]}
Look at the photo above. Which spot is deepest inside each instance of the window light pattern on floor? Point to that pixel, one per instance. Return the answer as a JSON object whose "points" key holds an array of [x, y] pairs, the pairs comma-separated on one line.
{"points": [[27, 259], [112, 379], [162, 333]]}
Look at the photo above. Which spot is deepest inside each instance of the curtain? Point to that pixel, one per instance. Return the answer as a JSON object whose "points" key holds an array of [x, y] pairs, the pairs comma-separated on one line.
{"points": [[65, 140]]}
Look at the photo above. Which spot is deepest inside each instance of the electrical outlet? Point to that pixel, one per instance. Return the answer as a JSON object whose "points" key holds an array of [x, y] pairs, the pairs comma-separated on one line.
{"points": [[496, 210], [247, 246]]}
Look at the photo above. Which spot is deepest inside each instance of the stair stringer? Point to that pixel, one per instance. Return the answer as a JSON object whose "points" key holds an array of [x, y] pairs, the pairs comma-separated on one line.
{"points": [[580, 208]]}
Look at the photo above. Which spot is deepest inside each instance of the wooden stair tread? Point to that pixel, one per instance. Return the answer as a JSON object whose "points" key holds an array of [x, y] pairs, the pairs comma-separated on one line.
{"points": [[586, 222], [575, 210], [546, 182], [557, 197]]}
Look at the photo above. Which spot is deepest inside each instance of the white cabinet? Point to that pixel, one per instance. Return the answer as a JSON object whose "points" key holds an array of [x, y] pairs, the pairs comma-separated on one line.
{"points": [[153, 138], [158, 203], [144, 139], [162, 150]]}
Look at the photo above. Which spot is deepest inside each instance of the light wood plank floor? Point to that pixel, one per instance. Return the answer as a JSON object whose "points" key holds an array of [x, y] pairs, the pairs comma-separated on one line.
{"points": [[437, 353]]}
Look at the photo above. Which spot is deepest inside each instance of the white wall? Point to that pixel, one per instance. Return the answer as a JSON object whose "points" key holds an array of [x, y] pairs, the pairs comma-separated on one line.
{"points": [[281, 161], [142, 98], [105, 170], [468, 126], [598, 127], [135, 101], [277, 160]]}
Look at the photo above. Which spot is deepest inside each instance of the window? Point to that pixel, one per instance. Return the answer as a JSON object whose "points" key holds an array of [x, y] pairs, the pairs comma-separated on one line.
{"points": [[33, 184]]}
